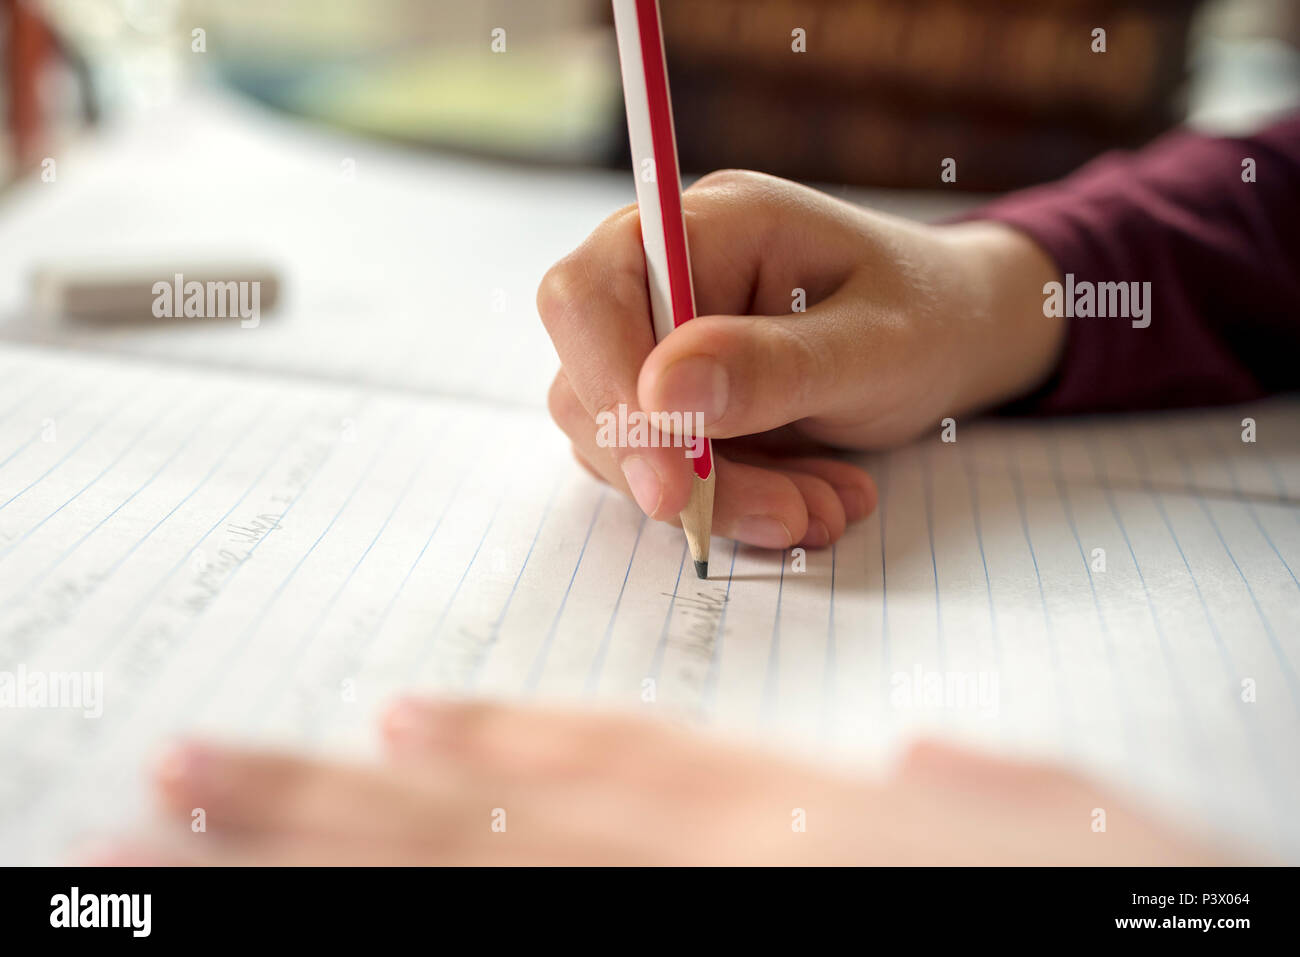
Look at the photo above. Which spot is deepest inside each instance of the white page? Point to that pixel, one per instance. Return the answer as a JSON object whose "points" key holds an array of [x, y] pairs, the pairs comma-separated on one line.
{"points": [[273, 561]]}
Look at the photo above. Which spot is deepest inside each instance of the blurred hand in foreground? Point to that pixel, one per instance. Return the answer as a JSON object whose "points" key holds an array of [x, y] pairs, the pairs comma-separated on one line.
{"points": [[478, 783]]}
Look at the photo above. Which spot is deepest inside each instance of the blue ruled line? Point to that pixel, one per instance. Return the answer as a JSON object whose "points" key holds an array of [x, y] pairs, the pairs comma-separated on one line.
{"points": [[135, 440], [657, 659], [598, 662], [828, 716], [886, 652], [401, 587], [451, 599], [76, 400], [1288, 673], [972, 483], [1250, 509], [240, 643], [1126, 709], [771, 677], [471, 679], [1062, 691], [66, 455], [539, 662], [708, 700], [31, 585], [927, 483], [144, 602], [1262, 758], [315, 626], [1198, 742]]}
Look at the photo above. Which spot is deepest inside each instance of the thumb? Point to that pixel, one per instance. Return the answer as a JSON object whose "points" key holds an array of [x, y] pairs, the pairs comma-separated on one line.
{"points": [[745, 374]]}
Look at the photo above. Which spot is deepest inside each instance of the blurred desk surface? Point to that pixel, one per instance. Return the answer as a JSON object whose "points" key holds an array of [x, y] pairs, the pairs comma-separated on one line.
{"points": [[389, 257]]}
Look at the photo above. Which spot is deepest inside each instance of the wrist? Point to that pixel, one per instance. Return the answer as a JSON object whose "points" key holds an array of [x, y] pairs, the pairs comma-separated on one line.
{"points": [[1009, 347]]}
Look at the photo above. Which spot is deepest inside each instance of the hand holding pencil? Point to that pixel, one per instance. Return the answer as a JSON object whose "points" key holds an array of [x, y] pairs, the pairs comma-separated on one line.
{"points": [[820, 325]]}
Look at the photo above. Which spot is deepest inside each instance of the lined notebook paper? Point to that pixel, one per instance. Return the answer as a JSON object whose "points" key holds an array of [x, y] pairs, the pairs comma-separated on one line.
{"points": [[272, 560]]}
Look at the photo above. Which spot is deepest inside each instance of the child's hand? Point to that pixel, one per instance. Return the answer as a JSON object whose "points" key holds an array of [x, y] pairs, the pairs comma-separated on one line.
{"points": [[905, 324], [476, 783]]}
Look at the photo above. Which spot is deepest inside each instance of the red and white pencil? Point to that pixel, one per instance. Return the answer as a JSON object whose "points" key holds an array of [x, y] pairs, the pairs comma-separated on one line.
{"points": [[663, 227]]}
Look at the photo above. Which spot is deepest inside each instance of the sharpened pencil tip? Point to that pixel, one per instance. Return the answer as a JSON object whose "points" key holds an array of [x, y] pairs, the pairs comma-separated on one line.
{"points": [[701, 569]]}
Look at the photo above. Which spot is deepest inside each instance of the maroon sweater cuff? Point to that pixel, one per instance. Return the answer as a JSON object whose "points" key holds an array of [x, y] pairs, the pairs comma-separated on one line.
{"points": [[1221, 253]]}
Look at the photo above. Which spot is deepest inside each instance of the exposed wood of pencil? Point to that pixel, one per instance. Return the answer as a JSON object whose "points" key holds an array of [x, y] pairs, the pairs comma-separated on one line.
{"points": [[697, 521]]}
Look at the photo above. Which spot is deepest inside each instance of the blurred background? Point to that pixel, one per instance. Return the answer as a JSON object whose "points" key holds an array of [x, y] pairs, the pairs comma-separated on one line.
{"points": [[407, 170], [1013, 87]]}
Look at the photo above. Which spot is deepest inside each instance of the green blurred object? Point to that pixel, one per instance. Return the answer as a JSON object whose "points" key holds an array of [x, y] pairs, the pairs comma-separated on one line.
{"points": [[517, 105], [544, 89]]}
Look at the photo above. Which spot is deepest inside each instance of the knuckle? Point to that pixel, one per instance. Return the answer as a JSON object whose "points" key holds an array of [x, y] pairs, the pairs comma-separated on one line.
{"points": [[559, 291], [555, 396], [729, 179], [604, 399], [562, 403], [571, 413]]}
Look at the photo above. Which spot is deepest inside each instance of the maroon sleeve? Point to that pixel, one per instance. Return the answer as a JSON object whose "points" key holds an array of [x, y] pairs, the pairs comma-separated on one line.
{"points": [[1222, 256]]}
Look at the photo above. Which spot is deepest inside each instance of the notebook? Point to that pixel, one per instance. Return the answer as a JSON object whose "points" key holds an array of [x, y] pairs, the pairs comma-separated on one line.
{"points": [[272, 560]]}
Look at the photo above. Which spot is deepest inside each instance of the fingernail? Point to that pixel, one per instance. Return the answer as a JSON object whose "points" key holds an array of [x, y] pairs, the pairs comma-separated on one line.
{"points": [[697, 384], [109, 853], [644, 482], [183, 765], [817, 535], [855, 503], [412, 716], [763, 531]]}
